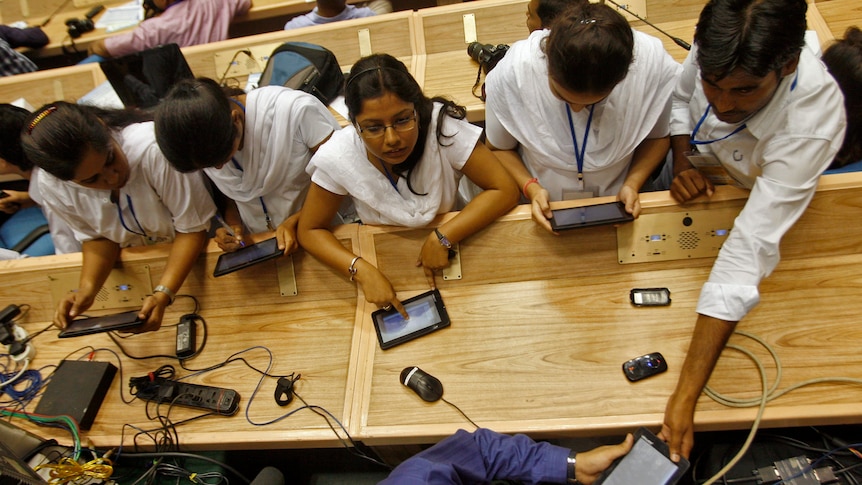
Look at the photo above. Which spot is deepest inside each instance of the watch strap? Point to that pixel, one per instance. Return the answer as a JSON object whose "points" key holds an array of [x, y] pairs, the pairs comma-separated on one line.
{"points": [[444, 241]]}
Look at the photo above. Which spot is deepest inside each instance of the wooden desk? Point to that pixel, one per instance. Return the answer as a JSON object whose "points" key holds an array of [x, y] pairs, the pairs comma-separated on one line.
{"points": [[311, 334], [447, 69], [839, 15], [542, 324], [42, 87]]}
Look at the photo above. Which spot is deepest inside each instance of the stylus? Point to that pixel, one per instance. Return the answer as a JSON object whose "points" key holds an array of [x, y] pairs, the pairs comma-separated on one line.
{"points": [[229, 229]]}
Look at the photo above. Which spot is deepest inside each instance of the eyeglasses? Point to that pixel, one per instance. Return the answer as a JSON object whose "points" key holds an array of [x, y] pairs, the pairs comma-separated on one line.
{"points": [[402, 125]]}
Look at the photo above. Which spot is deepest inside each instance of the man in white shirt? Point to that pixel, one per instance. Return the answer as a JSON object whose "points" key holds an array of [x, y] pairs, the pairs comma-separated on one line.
{"points": [[754, 104]]}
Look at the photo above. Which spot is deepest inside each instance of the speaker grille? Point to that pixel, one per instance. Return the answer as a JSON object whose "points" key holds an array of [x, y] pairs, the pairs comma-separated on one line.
{"points": [[688, 240]]}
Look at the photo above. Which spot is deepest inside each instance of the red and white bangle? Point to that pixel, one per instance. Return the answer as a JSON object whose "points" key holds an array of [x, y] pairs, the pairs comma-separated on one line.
{"points": [[533, 180]]}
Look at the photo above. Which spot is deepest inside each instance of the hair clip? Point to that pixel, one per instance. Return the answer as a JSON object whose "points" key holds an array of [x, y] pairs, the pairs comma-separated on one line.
{"points": [[39, 117], [588, 21]]}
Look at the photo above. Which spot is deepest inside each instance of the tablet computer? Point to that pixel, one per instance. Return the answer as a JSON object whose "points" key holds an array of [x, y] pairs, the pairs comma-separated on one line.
{"points": [[247, 256], [427, 314], [87, 326], [590, 215], [648, 463]]}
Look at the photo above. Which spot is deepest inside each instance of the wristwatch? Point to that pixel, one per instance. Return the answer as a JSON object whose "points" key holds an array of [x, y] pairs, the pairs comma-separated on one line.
{"points": [[570, 469], [164, 289], [444, 241]]}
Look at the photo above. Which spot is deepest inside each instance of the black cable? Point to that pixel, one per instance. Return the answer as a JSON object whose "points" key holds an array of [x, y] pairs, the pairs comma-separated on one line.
{"points": [[193, 316], [179, 454], [462, 413]]}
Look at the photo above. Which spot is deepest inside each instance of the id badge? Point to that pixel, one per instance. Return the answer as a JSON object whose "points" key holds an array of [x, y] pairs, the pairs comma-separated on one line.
{"points": [[580, 192], [711, 168]]}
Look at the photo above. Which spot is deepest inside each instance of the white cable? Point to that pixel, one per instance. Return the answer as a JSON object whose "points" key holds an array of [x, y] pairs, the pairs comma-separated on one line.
{"points": [[766, 395], [23, 369]]}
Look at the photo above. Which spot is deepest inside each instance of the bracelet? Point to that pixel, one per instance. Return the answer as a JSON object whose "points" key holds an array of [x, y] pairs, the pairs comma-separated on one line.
{"points": [[444, 241], [352, 268], [164, 289], [533, 180], [570, 469]]}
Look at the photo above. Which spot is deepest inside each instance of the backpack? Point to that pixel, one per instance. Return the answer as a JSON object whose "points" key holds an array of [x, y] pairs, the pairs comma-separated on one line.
{"points": [[307, 67]]}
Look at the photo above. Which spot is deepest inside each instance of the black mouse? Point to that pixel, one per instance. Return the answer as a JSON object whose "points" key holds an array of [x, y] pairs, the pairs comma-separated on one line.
{"points": [[424, 384]]}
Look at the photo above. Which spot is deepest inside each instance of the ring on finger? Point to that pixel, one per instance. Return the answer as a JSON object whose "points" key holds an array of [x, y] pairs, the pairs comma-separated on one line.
{"points": [[387, 307]]}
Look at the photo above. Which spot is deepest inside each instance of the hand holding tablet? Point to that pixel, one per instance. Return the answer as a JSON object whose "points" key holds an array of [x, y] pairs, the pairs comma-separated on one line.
{"points": [[427, 314], [247, 256]]}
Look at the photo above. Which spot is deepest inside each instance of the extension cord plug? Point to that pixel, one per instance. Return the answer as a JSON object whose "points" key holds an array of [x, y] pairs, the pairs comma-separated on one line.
{"points": [[217, 399], [18, 351]]}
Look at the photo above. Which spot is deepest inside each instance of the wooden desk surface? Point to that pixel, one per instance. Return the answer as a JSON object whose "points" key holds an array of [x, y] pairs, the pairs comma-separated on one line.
{"points": [[542, 324], [840, 14], [311, 334]]}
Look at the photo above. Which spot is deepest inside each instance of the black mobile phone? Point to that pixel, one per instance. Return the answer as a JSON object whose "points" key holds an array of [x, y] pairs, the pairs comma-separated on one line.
{"points": [[644, 366], [427, 314], [650, 296], [590, 215], [648, 463], [247, 256], [107, 323]]}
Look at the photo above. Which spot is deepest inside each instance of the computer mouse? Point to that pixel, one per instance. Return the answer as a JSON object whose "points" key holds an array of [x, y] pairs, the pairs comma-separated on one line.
{"points": [[424, 384]]}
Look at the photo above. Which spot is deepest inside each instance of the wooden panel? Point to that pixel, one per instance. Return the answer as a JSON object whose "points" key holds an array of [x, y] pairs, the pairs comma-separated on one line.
{"points": [[41, 87], [497, 22], [389, 33], [840, 14]]}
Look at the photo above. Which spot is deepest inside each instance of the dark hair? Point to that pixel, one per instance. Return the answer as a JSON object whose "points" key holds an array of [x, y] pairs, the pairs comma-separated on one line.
{"points": [[844, 60], [756, 36], [549, 10], [373, 76], [589, 49], [56, 136], [12, 119], [199, 110]]}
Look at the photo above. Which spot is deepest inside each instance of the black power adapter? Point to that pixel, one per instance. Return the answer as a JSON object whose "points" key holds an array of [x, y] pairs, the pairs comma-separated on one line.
{"points": [[186, 336]]}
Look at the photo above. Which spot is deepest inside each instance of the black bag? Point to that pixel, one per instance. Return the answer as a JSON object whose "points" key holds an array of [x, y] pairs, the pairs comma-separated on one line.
{"points": [[306, 67]]}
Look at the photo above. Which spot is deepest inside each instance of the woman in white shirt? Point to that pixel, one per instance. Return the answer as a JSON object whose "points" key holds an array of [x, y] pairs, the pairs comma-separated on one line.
{"points": [[105, 176], [255, 148], [400, 161]]}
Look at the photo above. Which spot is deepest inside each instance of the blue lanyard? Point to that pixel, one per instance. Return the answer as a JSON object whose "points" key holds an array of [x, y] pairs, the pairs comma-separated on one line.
{"points": [[266, 215], [389, 176], [579, 154], [236, 102], [134, 216], [738, 128]]}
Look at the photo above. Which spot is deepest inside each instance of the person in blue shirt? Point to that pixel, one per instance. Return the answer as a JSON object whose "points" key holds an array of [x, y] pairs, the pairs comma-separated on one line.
{"points": [[484, 455]]}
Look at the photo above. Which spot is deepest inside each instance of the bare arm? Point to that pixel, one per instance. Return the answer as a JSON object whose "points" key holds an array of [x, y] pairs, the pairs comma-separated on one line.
{"points": [[538, 196], [99, 48], [184, 253], [688, 182], [647, 157], [709, 338], [316, 237], [99, 256], [498, 196]]}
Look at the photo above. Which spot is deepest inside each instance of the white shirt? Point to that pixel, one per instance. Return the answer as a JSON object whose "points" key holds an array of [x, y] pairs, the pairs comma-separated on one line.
{"points": [[341, 166], [163, 201], [779, 156], [522, 111], [282, 125], [62, 235]]}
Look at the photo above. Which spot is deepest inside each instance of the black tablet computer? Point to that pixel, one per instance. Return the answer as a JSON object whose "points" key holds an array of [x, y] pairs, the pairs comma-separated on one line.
{"points": [[590, 215], [87, 326], [143, 78], [427, 314], [648, 463], [247, 256]]}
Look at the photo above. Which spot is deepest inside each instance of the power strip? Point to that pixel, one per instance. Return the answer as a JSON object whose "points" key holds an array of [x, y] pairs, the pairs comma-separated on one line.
{"points": [[217, 399]]}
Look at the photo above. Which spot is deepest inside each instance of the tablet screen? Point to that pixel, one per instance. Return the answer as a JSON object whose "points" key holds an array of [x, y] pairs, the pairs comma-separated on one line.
{"points": [[590, 215], [88, 326], [247, 256], [427, 313], [646, 464]]}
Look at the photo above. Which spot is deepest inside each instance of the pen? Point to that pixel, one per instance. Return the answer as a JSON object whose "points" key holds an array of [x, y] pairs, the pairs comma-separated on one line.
{"points": [[229, 229]]}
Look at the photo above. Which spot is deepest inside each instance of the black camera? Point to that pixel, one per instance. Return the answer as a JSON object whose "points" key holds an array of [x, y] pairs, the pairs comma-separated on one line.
{"points": [[487, 55], [79, 27]]}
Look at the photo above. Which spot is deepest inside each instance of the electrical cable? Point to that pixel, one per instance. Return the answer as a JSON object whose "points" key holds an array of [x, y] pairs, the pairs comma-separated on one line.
{"points": [[7, 379], [42, 419], [462, 413], [178, 454]]}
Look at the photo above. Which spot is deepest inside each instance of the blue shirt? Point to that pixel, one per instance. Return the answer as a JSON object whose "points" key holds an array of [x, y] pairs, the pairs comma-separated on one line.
{"points": [[474, 458]]}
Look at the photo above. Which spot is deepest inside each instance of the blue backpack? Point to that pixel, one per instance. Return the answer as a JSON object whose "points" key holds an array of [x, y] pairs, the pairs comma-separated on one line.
{"points": [[306, 67]]}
